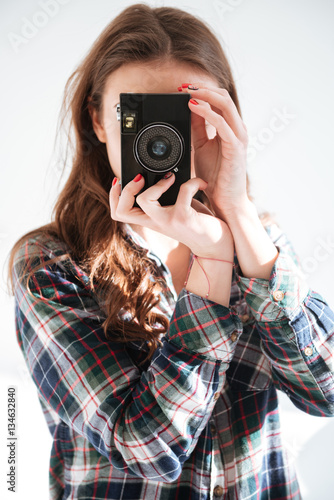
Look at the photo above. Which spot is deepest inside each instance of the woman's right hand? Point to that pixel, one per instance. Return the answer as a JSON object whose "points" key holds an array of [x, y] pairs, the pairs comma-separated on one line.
{"points": [[187, 221]]}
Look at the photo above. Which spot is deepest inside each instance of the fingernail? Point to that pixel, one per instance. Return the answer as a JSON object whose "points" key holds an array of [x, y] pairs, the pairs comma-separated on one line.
{"points": [[191, 87], [114, 181], [137, 178], [193, 101], [185, 85], [169, 174], [179, 89]]}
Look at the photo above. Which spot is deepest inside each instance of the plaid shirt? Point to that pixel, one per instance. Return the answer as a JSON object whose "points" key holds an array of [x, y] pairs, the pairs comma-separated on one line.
{"points": [[201, 419]]}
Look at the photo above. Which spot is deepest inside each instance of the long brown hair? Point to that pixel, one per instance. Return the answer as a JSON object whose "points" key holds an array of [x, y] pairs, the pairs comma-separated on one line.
{"points": [[81, 215]]}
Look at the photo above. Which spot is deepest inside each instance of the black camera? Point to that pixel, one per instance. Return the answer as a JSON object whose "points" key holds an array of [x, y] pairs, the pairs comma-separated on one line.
{"points": [[155, 139]]}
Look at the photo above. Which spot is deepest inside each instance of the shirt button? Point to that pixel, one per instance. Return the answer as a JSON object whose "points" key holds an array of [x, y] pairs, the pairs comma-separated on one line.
{"points": [[278, 295], [116, 456], [308, 351], [244, 318], [213, 429], [218, 491], [233, 309], [234, 336], [216, 396]]}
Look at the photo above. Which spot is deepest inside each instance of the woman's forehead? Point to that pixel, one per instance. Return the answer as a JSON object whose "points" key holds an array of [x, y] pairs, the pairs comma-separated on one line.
{"points": [[154, 77]]}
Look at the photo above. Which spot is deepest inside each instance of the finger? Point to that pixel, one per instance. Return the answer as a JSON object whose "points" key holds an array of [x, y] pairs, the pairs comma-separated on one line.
{"points": [[198, 131], [126, 200], [198, 124], [223, 129], [148, 199], [188, 190], [222, 101], [114, 193]]}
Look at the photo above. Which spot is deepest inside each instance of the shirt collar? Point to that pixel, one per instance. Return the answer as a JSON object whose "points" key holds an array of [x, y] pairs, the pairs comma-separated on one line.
{"points": [[131, 234]]}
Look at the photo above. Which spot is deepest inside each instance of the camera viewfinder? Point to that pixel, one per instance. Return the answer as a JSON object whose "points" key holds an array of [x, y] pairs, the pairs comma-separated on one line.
{"points": [[129, 122]]}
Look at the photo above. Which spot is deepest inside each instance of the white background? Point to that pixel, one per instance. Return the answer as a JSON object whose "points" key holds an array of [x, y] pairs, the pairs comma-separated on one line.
{"points": [[281, 53]]}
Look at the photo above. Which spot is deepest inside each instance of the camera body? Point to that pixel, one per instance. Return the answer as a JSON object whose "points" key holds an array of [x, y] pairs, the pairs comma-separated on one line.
{"points": [[155, 139]]}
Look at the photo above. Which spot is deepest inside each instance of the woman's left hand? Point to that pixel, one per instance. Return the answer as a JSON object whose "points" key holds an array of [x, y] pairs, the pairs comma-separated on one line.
{"points": [[220, 161]]}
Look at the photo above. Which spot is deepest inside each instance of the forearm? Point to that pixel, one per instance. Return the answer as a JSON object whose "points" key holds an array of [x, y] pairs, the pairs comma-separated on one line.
{"points": [[255, 251]]}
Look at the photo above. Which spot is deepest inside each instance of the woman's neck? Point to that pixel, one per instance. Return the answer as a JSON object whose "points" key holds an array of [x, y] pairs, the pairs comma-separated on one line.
{"points": [[174, 255], [162, 245]]}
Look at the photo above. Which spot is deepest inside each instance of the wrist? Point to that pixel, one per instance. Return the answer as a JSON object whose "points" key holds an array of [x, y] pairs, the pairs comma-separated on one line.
{"points": [[224, 254], [223, 251], [210, 279], [229, 212], [256, 252]]}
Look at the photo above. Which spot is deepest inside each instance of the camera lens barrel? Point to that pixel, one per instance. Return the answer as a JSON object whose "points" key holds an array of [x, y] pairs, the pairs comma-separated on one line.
{"points": [[159, 147]]}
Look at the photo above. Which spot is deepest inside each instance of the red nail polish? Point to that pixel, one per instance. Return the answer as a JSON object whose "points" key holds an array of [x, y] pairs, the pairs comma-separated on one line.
{"points": [[179, 89], [185, 85], [137, 178], [193, 101], [114, 181]]}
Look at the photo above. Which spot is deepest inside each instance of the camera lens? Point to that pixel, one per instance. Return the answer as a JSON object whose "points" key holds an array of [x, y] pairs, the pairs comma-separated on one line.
{"points": [[159, 147]]}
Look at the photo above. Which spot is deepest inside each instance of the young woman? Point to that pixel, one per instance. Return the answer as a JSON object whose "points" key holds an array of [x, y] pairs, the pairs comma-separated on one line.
{"points": [[157, 336]]}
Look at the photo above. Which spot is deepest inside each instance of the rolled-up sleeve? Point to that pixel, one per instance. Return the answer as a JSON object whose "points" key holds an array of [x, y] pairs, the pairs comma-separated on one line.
{"points": [[296, 325]]}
